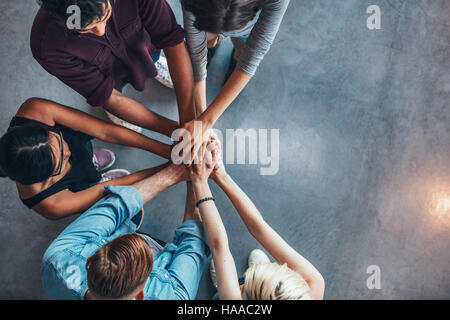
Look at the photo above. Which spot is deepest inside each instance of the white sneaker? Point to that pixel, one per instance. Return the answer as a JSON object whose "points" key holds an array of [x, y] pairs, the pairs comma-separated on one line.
{"points": [[163, 76], [212, 273], [256, 257], [123, 123]]}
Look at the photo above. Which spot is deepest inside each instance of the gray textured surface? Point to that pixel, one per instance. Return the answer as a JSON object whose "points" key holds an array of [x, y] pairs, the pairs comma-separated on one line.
{"points": [[364, 147]]}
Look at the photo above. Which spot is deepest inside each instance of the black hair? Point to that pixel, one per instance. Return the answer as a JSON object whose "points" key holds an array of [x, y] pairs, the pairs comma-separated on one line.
{"points": [[25, 154], [216, 16], [90, 9]]}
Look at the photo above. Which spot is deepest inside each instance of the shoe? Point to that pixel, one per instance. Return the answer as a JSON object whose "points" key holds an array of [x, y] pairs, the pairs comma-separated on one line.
{"points": [[103, 159], [212, 273], [256, 257], [231, 67], [123, 123], [114, 174], [163, 76]]}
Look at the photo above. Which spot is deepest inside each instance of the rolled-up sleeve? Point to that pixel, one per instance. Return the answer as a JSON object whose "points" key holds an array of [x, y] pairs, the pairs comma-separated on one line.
{"points": [[101, 220], [189, 258], [63, 261], [85, 79], [262, 36], [160, 22], [197, 45]]}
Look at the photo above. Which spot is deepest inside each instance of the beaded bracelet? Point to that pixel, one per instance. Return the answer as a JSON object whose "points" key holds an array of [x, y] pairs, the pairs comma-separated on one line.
{"points": [[204, 200]]}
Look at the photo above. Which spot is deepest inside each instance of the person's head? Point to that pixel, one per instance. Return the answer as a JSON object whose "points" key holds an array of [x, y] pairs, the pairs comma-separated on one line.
{"points": [[94, 14], [32, 153], [120, 269], [272, 281], [218, 16]]}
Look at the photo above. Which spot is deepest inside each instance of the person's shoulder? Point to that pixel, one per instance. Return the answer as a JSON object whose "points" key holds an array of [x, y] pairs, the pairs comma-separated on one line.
{"points": [[47, 34], [63, 274], [160, 285]]}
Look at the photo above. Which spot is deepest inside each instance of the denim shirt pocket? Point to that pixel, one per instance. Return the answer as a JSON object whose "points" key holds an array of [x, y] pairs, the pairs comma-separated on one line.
{"points": [[160, 286]]}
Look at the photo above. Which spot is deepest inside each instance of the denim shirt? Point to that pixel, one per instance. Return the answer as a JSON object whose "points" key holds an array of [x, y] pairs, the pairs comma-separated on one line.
{"points": [[176, 270]]}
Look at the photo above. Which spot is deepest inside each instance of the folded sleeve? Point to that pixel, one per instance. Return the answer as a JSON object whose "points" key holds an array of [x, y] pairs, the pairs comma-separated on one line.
{"points": [[160, 22], [189, 258], [63, 267], [262, 36], [103, 218], [85, 79], [197, 45]]}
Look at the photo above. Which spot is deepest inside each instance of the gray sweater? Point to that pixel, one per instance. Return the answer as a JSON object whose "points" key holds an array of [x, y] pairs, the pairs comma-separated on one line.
{"points": [[257, 45]]}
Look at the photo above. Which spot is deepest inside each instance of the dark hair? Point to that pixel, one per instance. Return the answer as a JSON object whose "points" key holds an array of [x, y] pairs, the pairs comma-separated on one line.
{"points": [[217, 16], [25, 154], [119, 267], [90, 9]]}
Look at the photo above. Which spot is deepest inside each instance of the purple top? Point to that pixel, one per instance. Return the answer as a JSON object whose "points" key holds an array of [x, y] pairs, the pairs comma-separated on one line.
{"points": [[93, 65]]}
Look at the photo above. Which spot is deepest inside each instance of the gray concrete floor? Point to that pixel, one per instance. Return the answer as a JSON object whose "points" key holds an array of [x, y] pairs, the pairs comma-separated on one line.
{"points": [[364, 147]]}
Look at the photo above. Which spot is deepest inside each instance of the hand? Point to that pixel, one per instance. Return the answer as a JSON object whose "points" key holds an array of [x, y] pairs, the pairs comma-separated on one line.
{"points": [[204, 163], [181, 172], [198, 132], [219, 168]]}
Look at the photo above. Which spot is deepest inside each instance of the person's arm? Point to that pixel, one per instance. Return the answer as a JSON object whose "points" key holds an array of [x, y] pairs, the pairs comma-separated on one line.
{"points": [[228, 283], [200, 97], [257, 46], [50, 113], [180, 69], [227, 279], [122, 202], [197, 44], [66, 203], [121, 106], [208, 118], [268, 237]]}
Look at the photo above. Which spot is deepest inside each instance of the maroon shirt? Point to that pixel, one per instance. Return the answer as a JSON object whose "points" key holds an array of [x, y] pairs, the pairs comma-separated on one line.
{"points": [[93, 65]]}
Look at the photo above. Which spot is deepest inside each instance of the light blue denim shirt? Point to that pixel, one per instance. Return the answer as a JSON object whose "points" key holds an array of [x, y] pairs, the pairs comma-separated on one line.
{"points": [[176, 270]]}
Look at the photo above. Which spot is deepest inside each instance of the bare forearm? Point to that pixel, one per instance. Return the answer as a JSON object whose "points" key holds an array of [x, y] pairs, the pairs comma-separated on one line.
{"points": [[200, 96], [218, 242], [126, 137], [134, 112], [243, 204], [268, 237], [68, 203], [180, 68], [234, 86], [160, 181], [215, 230]]}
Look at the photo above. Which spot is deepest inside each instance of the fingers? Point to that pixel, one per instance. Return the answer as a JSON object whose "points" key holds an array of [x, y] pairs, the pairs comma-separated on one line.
{"points": [[208, 156], [215, 159], [195, 150]]}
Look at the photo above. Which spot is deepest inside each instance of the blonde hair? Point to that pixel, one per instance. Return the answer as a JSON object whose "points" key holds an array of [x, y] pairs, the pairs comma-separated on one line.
{"points": [[272, 281]]}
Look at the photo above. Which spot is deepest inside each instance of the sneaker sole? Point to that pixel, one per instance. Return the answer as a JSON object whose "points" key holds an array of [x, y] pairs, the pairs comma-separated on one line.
{"points": [[103, 170]]}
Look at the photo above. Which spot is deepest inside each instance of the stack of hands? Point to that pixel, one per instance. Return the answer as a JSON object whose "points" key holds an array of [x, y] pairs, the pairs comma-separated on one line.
{"points": [[207, 162]]}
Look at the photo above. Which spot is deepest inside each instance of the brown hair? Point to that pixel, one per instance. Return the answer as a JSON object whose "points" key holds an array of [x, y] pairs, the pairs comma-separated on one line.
{"points": [[120, 267]]}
